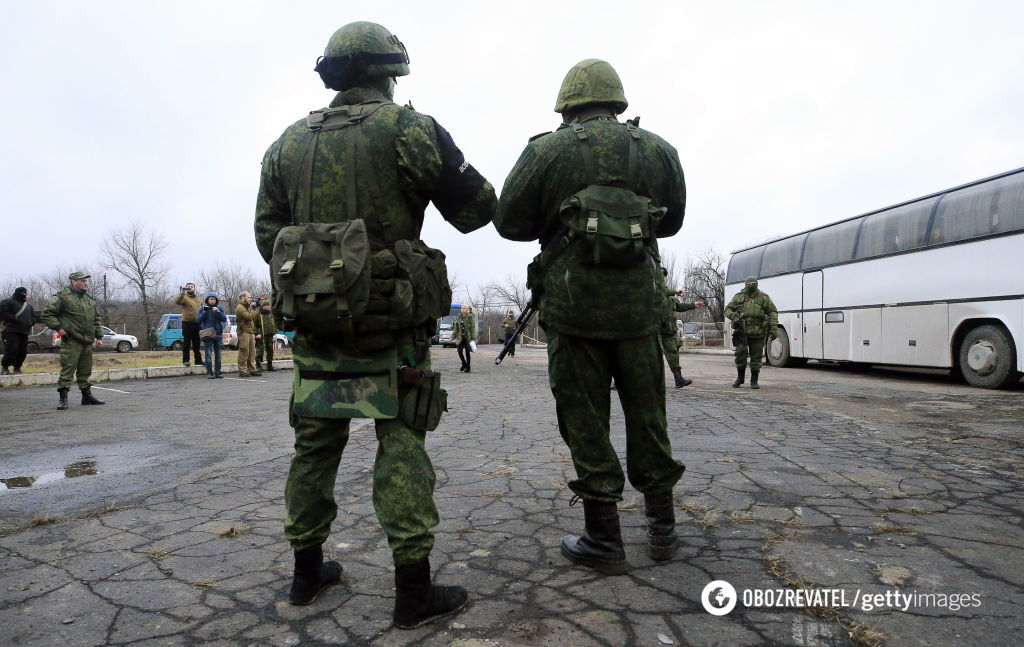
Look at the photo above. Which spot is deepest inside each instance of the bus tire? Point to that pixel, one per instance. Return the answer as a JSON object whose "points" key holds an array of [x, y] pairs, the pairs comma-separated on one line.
{"points": [[177, 345], [987, 358], [778, 351]]}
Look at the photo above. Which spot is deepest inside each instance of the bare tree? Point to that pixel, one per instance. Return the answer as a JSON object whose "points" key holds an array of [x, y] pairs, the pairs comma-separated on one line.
{"points": [[674, 277], [229, 281], [510, 291], [705, 281], [136, 255]]}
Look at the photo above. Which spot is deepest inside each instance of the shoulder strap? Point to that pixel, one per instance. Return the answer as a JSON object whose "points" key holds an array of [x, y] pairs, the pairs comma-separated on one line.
{"points": [[634, 145], [21, 310], [588, 154]]}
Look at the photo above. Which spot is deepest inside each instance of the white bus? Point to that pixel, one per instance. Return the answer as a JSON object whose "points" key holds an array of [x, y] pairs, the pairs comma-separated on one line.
{"points": [[935, 282]]}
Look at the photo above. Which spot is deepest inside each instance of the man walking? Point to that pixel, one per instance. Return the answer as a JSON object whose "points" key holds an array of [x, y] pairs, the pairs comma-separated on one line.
{"points": [[18, 317], [75, 315], [190, 305], [597, 193], [356, 177]]}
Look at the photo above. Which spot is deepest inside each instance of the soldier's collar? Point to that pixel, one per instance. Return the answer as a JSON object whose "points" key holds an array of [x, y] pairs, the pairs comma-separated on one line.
{"points": [[356, 95]]}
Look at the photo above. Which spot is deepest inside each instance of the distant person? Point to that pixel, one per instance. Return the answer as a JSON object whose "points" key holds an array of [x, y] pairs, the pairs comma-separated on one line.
{"points": [[753, 314], [75, 315], [463, 333], [190, 304], [17, 316], [508, 327], [211, 315], [245, 320], [670, 342], [266, 328]]}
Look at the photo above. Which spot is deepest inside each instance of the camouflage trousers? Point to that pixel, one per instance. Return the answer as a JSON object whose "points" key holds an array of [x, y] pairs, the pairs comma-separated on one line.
{"points": [[403, 484], [75, 358], [670, 344], [264, 345], [754, 348], [580, 372]]}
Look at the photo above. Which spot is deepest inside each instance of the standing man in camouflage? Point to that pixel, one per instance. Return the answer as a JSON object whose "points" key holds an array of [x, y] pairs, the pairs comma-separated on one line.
{"points": [[266, 327], [75, 315], [670, 333], [760, 320], [190, 305], [463, 332], [597, 193], [245, 322], [361, 174], [508, 328]]}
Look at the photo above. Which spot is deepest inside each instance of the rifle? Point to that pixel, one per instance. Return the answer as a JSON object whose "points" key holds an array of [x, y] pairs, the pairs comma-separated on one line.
{"points": [[739, 333], [524, 319]]}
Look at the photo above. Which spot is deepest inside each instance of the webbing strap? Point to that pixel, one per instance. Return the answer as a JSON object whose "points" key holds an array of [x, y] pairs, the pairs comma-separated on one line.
{"points": [[588, 154], [634, 146]]}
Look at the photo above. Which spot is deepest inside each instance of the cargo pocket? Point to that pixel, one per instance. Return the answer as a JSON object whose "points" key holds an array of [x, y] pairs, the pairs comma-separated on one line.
{"points": [[421, 407]]}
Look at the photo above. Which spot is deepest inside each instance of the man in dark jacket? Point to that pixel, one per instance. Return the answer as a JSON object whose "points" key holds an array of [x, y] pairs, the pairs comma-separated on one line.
{"points": [[597, 193], [17, 316]]}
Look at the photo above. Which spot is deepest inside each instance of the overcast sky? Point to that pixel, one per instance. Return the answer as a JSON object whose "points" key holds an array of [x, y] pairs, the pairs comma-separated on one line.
{"points": [[786, 115]]}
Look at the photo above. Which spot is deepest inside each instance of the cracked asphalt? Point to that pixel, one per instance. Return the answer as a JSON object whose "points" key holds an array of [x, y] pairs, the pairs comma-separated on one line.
{"points": [[157, 519]]}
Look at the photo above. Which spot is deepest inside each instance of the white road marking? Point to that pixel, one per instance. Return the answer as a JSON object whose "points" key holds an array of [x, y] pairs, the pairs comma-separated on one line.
{"points": [[101, 388], [245, 379]]}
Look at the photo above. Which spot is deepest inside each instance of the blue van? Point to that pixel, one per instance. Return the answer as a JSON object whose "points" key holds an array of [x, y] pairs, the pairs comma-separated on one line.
{"points": [[168, 331]]}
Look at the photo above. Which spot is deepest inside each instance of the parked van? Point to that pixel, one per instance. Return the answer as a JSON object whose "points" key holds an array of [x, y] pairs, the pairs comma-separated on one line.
{"points": [[168, 331]]}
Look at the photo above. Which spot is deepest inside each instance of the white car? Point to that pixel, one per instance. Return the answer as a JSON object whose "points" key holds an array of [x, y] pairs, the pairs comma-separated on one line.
{"points": [[112, 341]]}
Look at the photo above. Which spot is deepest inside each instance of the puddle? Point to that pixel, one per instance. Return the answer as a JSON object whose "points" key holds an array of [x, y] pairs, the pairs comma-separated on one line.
{"points": [[74, 470]]}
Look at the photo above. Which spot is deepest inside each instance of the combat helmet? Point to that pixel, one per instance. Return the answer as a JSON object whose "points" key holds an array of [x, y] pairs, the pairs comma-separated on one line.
{"points": [[359, 51], [591, 81]]}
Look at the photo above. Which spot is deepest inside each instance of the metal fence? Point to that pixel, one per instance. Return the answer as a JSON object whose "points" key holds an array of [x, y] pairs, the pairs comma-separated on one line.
{"points": [[696, 334]]}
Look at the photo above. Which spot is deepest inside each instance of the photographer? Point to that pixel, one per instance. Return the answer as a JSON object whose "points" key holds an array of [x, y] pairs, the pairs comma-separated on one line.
{"points": [[190, 305], [211, 315], [245, 319]]}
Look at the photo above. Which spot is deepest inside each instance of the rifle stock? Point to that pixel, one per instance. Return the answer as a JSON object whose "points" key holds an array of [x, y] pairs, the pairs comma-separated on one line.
{"points": [[524, 319]]}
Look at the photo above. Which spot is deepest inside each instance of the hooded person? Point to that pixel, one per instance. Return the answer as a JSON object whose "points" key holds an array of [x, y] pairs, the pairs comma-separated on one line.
{"points": [[211, 315], [753, 312], [18, 317]]}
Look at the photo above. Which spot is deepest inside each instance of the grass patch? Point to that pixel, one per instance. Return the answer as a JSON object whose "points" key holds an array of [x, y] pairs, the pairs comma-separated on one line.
{"points": [[50, 362], [202, 584]]}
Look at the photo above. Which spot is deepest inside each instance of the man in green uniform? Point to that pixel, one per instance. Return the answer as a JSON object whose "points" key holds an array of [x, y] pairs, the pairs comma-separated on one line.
{"points": [[597, 193], [508, 328], [670, 333], [367, 168], [760, 321], [75, 315], [266, 328]]}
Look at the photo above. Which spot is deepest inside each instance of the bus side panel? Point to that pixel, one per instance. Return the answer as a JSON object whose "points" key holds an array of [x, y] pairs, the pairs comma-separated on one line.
{"points": [[837, 338], [866, 335], [1009, 312], [916, 335]]}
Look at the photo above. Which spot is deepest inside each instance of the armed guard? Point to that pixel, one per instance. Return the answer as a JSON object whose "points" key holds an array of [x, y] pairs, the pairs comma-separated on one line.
{"points": [[338, 217], [670, 333], [597, 193], [75, 315], [755, 317]]}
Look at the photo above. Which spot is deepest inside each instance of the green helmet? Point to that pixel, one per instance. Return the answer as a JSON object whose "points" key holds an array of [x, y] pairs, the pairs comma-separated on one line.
{"points": [[359, 51], [591, 81]]}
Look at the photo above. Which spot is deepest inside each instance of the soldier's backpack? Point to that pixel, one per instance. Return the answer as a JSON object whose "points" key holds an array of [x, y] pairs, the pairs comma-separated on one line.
{"points": [[329, 282]]}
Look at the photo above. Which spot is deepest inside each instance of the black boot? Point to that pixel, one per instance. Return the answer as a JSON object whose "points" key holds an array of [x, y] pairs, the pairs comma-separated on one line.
{"points": [[89, 398], [5, 371], [312, 575], [600, 545], [661, 526], [753, 379], [680, 380], [740, 373], [418, 601], [270, 366], [63, 403]]}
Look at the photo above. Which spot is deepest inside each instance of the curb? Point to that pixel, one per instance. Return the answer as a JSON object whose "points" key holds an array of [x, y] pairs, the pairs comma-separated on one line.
{"points": [[119, 374], [707, 351]]}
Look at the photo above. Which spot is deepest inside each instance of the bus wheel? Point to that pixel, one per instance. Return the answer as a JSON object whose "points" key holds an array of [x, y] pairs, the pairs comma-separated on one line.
{"points": [[987, 359], [778, 351], [177, 345]]}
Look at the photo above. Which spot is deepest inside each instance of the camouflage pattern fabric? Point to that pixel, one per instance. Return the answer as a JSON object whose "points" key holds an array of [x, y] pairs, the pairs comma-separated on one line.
{"points": [[757, 309], [265, 348], [753, 349], [75, 360], [369, 388], [464, 328], [76, 312], [670, 346], [580, 372], [550, 169], [403, 484]]}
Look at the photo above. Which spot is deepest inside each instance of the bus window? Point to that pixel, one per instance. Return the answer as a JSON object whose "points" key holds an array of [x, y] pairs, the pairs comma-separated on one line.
{"points": [[744, 264], [831, 245], [990, 208], [895, 230], [782, 256]]}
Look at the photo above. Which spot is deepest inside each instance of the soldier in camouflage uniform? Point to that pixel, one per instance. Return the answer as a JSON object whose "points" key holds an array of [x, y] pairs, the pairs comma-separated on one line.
{"points": [[670, 333], [75, 315], [508, 328], [761, 320], [412, 160], [602, 321], [266, 328]]}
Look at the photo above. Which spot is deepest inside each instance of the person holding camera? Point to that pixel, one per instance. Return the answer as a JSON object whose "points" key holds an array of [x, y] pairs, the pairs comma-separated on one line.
{"points": [[211, 316], [190, 305], [245, 319]]}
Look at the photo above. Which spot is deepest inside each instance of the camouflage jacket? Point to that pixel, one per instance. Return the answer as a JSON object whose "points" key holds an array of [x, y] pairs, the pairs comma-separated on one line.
{"points": [[550, 169], [757, 310], [464, 327], [76, 312], [264, 323]]}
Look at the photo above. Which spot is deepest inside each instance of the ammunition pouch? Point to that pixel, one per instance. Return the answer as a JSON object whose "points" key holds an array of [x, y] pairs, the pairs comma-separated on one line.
{"points": [[612, 226], [423, 403]]}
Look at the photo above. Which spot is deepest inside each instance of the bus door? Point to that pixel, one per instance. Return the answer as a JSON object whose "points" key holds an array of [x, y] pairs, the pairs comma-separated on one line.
{"points": [[812, 322]]}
